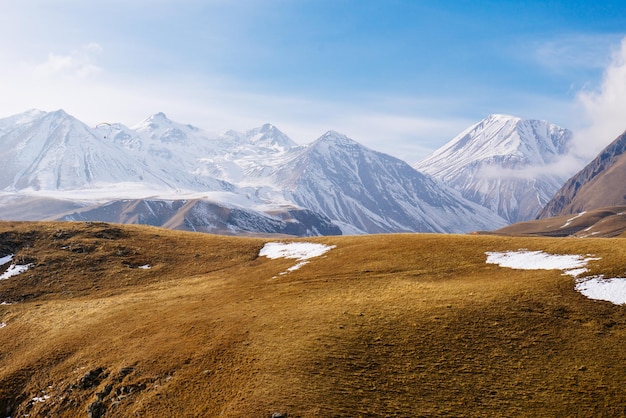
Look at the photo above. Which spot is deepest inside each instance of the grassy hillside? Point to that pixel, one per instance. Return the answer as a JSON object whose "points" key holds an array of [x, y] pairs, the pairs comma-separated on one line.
{"points": [[384, 325]]}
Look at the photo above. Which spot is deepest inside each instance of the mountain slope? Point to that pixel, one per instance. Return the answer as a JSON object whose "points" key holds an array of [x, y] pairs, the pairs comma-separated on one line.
{"points": [[602, 183], [375, 192], [503, 163]]}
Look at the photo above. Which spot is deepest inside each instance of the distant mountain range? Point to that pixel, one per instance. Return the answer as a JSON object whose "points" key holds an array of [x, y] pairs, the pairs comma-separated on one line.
{"points": [[497, 172], [164, 173]]}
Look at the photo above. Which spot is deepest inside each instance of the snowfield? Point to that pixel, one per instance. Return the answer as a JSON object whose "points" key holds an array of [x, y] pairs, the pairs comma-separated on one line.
{"points": [[594, 287], [301, 251]]}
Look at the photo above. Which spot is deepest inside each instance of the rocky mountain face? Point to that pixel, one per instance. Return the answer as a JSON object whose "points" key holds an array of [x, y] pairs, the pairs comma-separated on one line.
{"points": [[259, 181], [600, 184], [503, 163], [205, 216]]}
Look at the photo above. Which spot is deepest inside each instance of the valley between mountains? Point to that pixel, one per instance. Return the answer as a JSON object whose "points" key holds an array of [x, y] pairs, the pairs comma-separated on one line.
{"points": [[119, 320]]}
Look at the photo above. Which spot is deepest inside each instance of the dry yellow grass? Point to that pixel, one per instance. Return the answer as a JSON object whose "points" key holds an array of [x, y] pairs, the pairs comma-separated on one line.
{"points": [[385, 325]]}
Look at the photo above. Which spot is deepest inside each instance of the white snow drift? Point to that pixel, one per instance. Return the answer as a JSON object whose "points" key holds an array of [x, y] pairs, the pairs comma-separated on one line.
{"points": [[14, 269], [594, 287], [574, 265], [598, 288], [301, 251]]}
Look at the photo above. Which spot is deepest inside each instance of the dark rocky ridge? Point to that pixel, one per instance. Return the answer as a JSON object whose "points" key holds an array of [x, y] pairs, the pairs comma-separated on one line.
{"points": [[600, 184]]}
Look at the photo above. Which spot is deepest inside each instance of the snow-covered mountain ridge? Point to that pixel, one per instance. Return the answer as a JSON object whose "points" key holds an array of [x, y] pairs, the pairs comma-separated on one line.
{"points": [[260, 175], [504, 163]]}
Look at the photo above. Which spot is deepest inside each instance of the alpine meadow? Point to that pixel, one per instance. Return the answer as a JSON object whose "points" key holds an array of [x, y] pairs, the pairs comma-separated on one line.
{"points": [[112, 320]]}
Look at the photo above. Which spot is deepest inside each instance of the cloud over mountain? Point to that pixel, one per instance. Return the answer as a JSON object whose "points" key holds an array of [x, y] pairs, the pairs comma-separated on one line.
{"points": [[604, 108]]}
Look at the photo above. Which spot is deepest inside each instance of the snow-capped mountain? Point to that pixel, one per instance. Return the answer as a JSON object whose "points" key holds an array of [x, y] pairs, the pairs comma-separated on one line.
{"points": [[503, 163], [55, 152], [246, 157], [375, 192], [253, 181]]}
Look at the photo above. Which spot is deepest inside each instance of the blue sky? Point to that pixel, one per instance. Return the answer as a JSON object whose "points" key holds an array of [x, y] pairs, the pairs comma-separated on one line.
{"points": [[402, 77]]}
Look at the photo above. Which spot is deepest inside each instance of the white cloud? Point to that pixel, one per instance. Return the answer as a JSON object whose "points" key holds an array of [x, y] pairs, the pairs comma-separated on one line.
{"points": [[604, 108], [564, 167], [80, 63], [575, 52]]}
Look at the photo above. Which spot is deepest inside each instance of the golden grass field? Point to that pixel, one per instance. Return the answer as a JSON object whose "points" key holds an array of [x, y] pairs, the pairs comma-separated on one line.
{"points": [[403, 325]]}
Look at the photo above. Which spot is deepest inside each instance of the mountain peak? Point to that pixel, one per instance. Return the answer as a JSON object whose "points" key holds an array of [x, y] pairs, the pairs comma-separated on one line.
{"points": [[332, 141], [59, 112], [267, 135], [335, 138], [500, 162], [56, 115], [155, 119], [267, 127], [502, 117]]}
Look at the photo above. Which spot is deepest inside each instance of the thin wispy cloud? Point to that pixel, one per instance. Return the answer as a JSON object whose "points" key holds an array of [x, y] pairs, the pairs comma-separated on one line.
{"points": [[79, 63], [576, 52]]}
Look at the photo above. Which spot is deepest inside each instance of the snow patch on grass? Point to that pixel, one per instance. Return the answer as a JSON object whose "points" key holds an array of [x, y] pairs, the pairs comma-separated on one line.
{"points": [[597, 287], [14, 270], [574, 265], [594, 287], [301, 251], [3, 324]]}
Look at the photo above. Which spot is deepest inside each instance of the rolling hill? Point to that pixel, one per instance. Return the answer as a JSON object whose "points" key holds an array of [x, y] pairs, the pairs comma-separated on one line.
{"points": [[111, 320]]}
